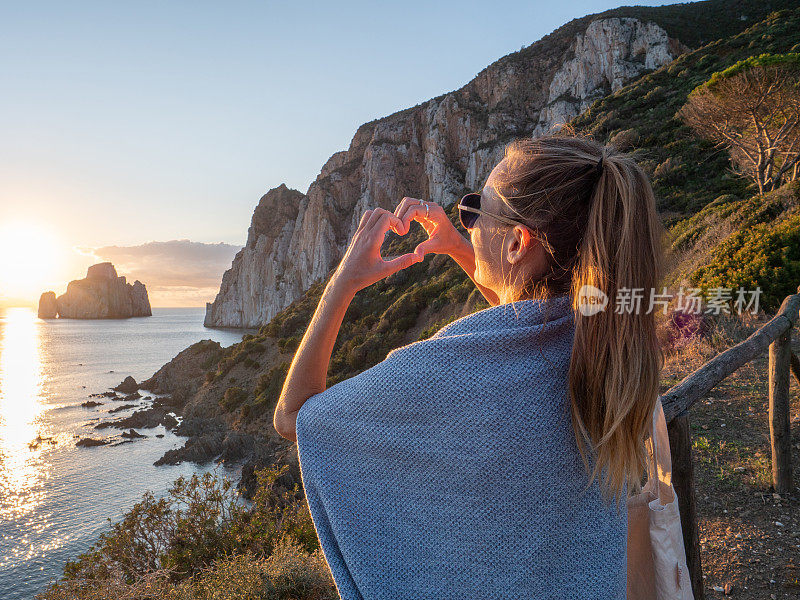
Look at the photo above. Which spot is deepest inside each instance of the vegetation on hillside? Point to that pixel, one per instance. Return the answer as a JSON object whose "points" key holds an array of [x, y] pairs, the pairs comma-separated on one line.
{"points": [[202, 541], [732, 242], [752, 108], [687, 172]]}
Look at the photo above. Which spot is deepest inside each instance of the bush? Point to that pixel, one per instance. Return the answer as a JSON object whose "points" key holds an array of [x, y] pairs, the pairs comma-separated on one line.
{"points": [[763, 255], [668, 171], [289, 573], [269, 386], [625, 140], [233, 397], [202, 541]]}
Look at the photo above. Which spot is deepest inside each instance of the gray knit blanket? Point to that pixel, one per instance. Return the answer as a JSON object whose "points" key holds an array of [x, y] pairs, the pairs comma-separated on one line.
{"points": [[450, 469]]}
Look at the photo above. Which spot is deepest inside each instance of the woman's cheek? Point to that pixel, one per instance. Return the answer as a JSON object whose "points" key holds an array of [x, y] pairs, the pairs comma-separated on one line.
{"points": [[481, 274], [473, 239]]}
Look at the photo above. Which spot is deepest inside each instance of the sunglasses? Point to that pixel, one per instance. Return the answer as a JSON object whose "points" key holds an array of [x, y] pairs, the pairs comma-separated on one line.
{"points": [[469, 211], [470, 208]]}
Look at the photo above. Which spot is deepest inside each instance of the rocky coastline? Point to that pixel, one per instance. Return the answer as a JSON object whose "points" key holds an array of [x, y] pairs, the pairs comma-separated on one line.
{"points": [[180, 397]]}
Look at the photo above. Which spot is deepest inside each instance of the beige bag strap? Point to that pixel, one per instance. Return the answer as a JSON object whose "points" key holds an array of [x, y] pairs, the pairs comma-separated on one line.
{"points": [[660, 467]]}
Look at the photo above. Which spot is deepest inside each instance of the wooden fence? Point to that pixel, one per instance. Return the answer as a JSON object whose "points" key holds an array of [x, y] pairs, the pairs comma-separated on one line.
{"points": [[774, 336]]}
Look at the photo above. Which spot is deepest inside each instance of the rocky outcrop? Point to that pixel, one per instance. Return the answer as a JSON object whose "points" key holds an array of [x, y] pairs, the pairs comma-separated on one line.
{"points": [[128, 386], [101, 295], [91, 442], [241, 301], [183, 375], [437, 150], [147, 418], [607, 56], [208, 441], [48, 309]]}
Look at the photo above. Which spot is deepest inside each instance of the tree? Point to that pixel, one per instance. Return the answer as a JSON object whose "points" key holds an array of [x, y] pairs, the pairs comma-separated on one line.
{"points": [[753, 109]]}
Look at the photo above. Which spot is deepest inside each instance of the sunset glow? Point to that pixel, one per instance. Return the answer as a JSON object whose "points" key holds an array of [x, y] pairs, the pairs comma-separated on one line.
{"points": [[21, 382], [31, 260]]}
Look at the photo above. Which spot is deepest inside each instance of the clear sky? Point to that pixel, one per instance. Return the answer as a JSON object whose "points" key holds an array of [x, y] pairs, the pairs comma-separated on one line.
{"points": [[137, 122]]}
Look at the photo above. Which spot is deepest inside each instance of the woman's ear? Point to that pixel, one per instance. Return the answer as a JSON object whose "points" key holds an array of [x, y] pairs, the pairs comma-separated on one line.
{"points": [[519, 244]]}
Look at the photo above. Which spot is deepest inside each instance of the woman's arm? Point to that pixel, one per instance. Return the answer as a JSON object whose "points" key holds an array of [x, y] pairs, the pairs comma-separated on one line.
{"points": [[361, 266], [309, 369]]}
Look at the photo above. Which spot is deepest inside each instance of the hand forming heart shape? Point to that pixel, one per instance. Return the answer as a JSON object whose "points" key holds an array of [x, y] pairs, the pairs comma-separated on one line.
{"points": [[362, 264]]}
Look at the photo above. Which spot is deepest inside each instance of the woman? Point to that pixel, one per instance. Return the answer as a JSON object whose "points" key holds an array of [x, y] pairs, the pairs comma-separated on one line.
{"points": [[482, 462]]}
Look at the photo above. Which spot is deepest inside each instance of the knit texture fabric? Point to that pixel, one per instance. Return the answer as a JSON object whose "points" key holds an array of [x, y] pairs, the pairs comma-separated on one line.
{"points": [[450, 469]]}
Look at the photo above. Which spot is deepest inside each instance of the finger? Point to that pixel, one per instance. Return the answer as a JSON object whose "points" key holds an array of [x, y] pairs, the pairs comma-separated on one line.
{"points": [[411, 213], [403, 207], [404, 203], [401, 262], [415, 208], [377, 213], [383, 224], [364, 218]]}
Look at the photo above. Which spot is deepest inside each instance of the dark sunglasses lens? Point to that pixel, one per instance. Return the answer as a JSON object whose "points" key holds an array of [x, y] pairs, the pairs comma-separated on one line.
{"points": [[468, 218]]}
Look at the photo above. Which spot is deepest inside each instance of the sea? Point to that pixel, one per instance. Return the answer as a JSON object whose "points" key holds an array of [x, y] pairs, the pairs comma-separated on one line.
{"points": [[57, 498]]}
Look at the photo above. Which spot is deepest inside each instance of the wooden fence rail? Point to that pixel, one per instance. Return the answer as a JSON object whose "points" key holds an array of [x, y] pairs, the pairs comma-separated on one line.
{"points": [[774, 336]]}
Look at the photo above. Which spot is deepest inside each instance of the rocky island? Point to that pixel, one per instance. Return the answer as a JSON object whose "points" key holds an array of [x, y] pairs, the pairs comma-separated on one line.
{"points": [[101, 295]]}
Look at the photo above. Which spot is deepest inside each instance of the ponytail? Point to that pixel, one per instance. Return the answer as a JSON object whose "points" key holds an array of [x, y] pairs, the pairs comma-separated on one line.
{"points": [[596, 208], [616, 357]]}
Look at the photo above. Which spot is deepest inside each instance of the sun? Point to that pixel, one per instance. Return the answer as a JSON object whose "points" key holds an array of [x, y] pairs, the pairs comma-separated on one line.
{"points": [[30, 260]]}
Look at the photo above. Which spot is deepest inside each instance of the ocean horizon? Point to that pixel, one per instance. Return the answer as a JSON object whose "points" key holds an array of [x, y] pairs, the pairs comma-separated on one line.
{"points": [[56, 498]]}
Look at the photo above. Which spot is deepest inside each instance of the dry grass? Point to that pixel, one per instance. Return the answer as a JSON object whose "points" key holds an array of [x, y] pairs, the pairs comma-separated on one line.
{"points": [[749, 536], [289, 573]]}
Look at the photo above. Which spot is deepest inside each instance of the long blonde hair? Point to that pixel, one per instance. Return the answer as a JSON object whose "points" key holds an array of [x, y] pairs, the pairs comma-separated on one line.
{"points": [[604, 231]]}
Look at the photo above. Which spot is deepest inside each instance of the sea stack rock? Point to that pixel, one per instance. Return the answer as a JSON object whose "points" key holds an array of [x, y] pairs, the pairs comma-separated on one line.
{"points": [[48, 309], [101, 295]]}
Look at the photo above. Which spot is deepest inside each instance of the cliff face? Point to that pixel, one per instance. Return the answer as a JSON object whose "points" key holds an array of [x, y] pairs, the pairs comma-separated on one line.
{"points": [[610, 53], [255, 267], [101, 295], [435, 151]]}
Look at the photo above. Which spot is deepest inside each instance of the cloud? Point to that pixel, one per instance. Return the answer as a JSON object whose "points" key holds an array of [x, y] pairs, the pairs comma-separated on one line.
{"points": [[176, 273]]}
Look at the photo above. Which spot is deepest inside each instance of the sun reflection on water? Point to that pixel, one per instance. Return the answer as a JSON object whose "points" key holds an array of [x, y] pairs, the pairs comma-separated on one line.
{"points": [[21, 384]]}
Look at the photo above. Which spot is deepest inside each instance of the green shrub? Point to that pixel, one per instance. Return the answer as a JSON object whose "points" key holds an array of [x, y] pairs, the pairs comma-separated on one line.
{"points": [[762, 255], [269, 386], [232, 398], [189, 543]]}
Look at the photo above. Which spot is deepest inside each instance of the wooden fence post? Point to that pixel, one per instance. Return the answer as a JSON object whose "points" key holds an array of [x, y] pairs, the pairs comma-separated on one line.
{"points": [[680, 443], [779, 433]]}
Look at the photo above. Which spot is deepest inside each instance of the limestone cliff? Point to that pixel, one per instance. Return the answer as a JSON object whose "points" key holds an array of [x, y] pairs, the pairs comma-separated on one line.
{"points": [[101, 295], [437, 151]]}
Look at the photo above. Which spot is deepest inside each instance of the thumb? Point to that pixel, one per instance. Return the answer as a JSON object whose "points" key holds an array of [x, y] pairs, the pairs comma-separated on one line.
{"points": [[402, 262], [428, 245]]}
